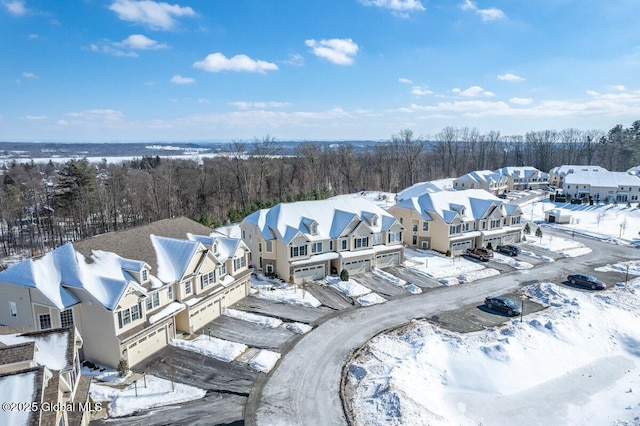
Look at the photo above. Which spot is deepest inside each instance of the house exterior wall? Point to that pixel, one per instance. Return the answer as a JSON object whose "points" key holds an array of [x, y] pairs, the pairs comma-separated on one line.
{"points": [[21, 297]]}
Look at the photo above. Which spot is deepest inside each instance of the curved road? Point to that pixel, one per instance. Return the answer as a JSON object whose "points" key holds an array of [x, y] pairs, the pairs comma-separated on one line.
{"points": [[305, 386]]}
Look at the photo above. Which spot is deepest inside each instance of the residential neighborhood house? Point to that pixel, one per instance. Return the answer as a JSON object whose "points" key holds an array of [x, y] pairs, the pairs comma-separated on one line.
{"points": [[557, 174], [520, 178], [620, 187], [456, 220], [43, 368], [129, 292], [492, 182], [308, 240]]}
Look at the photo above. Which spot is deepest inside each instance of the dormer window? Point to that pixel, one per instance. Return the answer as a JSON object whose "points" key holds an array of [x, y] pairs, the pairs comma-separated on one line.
{"points": [[215, 247], [314, 228], [145, 275]]}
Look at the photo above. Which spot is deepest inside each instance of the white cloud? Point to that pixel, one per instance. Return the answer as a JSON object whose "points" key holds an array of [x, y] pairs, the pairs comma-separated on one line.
{"points": [[16, 7], [295, 60], [141, 42], [112, 49], [217, 62], [490, 14], [203, 101], [259, 105], [618, 87], [473, 92], [178, 79], [29, 75], [421, 91], [521, 101], [338, 51], [33, 36], [106, 115], [398, 7], [405, 81], [36, 117], [153, 14], [510, 77]]}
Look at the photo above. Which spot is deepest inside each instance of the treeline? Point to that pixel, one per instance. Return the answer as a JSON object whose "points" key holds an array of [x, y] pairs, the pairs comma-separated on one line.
{"points": [[45, 205]]}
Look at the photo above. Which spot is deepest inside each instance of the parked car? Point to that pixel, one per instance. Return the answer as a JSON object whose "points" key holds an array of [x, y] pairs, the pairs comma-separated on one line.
{"points": [[586, 281], [502, 196], [504, 304], [509, 249], [480, 253]]}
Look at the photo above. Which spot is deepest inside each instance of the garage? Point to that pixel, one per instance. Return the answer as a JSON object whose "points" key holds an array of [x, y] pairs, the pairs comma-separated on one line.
{"points": [[387, 260], [511, 238], [357, 266], [309, 273], [204, 314], [147, 345], [460, 247], [235, 294], [494, 241]]}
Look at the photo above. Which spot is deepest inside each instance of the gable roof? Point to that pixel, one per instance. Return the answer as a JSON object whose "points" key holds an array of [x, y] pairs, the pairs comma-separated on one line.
{"points": [[22, 386], [226, 246], [572, 168], [173, 256], [333, 216], [20, 352], [467, 204], [602, 178], [521, 172], [54, 348], [482, 176], [418, 189]]}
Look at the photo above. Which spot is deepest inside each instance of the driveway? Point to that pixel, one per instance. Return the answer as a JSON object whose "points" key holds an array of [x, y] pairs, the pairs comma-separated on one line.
{"points": [[305, 386]]}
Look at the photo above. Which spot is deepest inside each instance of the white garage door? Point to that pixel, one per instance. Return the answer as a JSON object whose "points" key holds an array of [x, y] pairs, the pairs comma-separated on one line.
{"points": [[494, 241], [146, 346], [513, 237], [357, 266], [386, 260], [460, 247], [309, 273], [204, 314]]}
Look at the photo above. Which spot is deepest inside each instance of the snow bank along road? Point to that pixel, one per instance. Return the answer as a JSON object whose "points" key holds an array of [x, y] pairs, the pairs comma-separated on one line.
{"points": [[305, 387]]}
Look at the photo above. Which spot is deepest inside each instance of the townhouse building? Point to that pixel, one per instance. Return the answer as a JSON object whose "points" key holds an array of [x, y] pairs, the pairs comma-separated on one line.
{"points": [[492, 182], [619, 187], [557, 174], [520, 178], [308, 240], [456, 220]]}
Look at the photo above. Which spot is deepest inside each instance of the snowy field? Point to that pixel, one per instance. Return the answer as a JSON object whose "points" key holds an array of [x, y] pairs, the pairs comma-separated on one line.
{"points": [[583, 350], [446, 270]]}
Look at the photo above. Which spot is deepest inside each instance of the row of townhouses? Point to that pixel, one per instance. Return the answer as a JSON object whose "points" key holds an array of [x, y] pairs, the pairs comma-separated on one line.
{"points": [[502, 180], [128, 293]]}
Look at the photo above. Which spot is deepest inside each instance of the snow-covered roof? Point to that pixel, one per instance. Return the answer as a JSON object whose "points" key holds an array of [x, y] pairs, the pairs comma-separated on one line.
{"points": [[225, 246], [19, 387], [521, 172], [634, 171], [482, 176], [572, 168], [468, 204], [333, 216], [53, 348], [418, 189], [602, 178], [173, 256]]}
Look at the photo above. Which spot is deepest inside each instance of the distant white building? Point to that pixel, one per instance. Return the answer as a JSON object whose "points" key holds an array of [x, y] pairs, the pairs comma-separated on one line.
{"points": [[634, 171], [519, 178], [493, 182], [557, 174], [603, 185], [418, 189]]}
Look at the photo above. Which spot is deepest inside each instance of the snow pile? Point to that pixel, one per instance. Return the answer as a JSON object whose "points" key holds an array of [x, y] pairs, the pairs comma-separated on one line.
{"points": [[254, 318], [350, 288], [291, 294], [584, 350], [298, 327], [370, 299], [158, 392], [537, 256], [412, 288], [264, 361], [213, 347], [632, 267], [511, 261]]}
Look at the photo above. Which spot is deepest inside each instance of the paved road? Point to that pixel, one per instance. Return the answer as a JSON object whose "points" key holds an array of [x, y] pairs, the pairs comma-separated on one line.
{"points": [[305, 386]]}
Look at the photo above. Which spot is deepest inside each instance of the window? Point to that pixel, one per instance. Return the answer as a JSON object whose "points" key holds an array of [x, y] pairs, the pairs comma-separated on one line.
{"points": [[316, 247], [222, 269], [414, 240], [269, 269], [260, 247], [66, 318], [145, 275], [515, 220], [455, 229], [425, 226], [414, 228], [45, 321], [361, 242], [343, 245], [13, 308], [484, 224], [269, 245], [495, 223], [331, 245], [170, 292], [207, 279], [240, 262], [394, 237], [126, 316], [187, 287], [377, 238], [153, 301], [298, 251]]}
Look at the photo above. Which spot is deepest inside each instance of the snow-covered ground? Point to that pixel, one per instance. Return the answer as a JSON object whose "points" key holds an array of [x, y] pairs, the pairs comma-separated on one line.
{"points": [[276, 290], [213, 347], [148, 392], [583, 350], [363, 295], [616, 223], [563, 246], [446, 270]]}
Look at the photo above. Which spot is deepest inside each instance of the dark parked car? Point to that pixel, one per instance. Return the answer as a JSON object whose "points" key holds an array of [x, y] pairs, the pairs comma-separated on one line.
{"points": [[509, 249], [586, 281], [504, 304], [502, 196]]}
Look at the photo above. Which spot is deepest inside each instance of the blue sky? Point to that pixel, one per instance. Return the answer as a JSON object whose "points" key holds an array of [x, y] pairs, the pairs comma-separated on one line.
{"points": [[220, 70]]}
